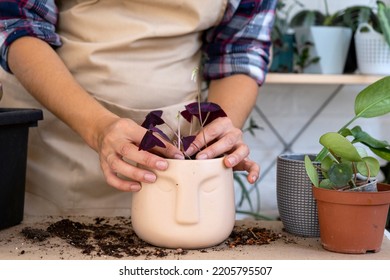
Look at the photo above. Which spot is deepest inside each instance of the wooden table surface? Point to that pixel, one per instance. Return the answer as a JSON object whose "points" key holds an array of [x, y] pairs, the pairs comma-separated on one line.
{"points": [[14, 245]]}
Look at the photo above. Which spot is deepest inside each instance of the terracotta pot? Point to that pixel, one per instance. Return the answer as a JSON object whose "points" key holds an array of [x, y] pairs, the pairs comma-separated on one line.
{"points": [[352, 222], [190, 206]]}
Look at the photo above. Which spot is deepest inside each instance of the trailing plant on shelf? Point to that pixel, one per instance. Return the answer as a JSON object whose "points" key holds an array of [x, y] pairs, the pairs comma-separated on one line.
{"points": [[201, 113], [344, 164]]}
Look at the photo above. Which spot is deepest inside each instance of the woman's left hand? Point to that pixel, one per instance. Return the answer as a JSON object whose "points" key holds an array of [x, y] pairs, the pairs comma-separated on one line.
{"points": [[222, 137]]}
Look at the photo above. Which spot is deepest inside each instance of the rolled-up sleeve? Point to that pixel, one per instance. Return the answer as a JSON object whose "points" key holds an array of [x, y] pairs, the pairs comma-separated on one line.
{"points": [[26, 18], [240, 43]]}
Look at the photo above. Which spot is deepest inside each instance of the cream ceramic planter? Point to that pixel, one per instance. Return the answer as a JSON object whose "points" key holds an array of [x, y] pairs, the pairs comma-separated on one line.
{"points": [[190, 206]]}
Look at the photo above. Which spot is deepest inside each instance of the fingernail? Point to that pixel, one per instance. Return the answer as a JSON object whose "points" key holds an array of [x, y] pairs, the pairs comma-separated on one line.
{"points": [[162, 165], [232, 161], [178, 156], [150, 177], [135, 188], [202, 156], [254, 179]]}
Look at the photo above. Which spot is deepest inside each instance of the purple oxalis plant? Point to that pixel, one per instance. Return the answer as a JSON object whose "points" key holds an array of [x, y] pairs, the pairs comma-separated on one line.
{"points": [[203, 112]]}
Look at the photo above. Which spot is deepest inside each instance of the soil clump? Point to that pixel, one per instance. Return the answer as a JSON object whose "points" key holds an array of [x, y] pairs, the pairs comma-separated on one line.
{"points": [[118, 240]]}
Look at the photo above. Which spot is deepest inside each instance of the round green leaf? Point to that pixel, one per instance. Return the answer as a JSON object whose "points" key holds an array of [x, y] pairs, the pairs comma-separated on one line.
{"points": [[362, 152], [340, 174], [369, 167], [326, 184], [339, 146], [325, 165]]}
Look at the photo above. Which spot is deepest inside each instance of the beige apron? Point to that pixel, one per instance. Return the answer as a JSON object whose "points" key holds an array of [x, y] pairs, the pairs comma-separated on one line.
{"points": [[132, 56]]}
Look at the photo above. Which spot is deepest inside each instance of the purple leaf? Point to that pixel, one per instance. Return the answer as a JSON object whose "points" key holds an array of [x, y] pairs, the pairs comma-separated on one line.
{"points": [[152, 119], [159, 131], [187, 115], [209, 110], [149, 141], [187, 141]]}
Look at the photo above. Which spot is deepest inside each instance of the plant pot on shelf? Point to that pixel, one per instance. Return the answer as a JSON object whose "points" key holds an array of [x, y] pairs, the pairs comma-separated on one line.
{"points": [[191, 205], [372, 51], [14, 129], [352, 222], [283, 55], [328, 43], [296, 204]]}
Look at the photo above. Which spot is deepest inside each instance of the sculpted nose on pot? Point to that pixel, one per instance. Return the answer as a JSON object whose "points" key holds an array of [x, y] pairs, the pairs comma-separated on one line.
{"points": [[187, 205]]}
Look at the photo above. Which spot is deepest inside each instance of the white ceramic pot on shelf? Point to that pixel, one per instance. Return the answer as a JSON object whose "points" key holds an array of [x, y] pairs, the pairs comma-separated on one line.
{"points": [[191, 205], [329, 43]]}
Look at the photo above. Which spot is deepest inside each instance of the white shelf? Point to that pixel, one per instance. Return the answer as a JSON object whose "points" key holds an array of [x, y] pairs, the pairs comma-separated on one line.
{"points": [[342, 79]]}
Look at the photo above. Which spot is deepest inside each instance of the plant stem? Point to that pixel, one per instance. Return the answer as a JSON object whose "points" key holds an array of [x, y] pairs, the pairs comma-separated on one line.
{"points": [[199, 86], [326, 8], [178, 131]]}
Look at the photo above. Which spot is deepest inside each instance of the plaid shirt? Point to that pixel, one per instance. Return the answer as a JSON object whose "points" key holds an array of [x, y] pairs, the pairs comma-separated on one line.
{"points": [[238, 45]]}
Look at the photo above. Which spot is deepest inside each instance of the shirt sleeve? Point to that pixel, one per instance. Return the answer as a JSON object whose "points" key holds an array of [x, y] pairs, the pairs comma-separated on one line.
{"points": [[26, 18], [240, 43]]}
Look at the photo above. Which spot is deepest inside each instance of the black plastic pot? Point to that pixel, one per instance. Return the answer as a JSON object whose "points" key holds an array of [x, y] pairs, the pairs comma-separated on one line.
{"points": [[14, 128]]}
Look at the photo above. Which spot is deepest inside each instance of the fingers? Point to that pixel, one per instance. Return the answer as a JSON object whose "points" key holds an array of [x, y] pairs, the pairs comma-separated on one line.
{"points": [[120, 158], [122, 184], [125, 167], [223, 138], [251, 167]]}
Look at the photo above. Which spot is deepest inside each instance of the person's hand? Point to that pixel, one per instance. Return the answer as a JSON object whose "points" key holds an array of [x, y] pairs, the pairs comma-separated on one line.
{"points": [[118, 144], [223, 137]]}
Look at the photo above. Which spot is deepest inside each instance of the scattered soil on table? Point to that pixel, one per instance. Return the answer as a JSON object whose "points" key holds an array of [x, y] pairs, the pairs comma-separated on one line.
{"points": [[102, 238], [35, 234], [251, 236]]}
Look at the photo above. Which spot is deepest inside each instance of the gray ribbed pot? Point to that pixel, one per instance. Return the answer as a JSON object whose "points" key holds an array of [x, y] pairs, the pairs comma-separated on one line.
{"points": [[296, 204]]}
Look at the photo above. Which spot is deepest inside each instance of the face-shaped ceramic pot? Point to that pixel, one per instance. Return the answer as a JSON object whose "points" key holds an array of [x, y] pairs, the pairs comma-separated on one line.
{"points": [[191, 205]]}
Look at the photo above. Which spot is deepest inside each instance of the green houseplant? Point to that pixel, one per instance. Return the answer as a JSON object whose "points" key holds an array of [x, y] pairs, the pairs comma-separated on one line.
{"points": [[353, 221], [310, 26], [352, 17], [372, 42], [322, 46]]}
